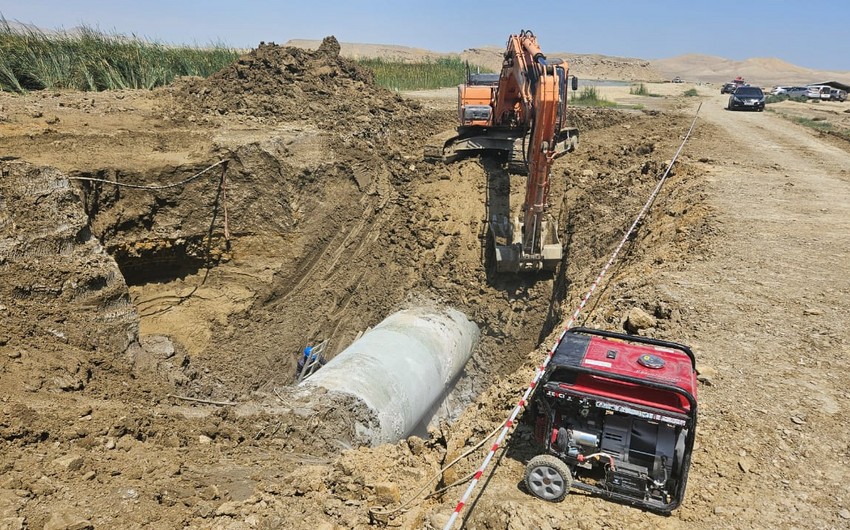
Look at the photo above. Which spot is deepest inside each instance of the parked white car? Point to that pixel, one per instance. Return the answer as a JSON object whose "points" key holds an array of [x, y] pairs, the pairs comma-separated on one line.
{"points": [[836, 94], [791, 91], [821, 92]]}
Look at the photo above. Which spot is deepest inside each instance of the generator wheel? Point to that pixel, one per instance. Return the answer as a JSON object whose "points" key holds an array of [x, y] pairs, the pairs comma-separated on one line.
{"points": [[548, 477]]}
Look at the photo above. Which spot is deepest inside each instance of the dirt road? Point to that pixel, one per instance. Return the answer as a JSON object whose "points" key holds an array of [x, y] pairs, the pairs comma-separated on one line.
{"points": [[772, 305]]}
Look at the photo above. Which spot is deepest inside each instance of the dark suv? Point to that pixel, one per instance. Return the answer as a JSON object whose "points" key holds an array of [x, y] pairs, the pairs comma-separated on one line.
{"points": [[746, 97], [728, 88]]}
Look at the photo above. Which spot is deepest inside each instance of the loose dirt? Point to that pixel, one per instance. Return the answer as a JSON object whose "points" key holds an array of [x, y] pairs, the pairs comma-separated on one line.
{"points": [[119, 302]]}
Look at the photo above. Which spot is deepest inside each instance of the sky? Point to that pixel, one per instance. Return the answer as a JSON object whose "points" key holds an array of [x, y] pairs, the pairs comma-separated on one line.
{"points": [[813, 35]]}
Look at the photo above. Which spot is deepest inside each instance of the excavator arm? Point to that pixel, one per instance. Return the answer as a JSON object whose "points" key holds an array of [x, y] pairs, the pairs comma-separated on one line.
{"points": [[519, 113], [532, 95], [541, 154]]}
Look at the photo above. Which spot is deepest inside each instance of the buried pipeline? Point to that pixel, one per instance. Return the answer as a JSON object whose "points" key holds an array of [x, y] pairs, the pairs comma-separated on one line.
{"points": [[402, 368]]}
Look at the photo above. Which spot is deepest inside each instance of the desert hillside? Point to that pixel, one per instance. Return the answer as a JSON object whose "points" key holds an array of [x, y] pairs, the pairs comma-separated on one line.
{"points": [[690, 67], [583, 65], [759, 70]]}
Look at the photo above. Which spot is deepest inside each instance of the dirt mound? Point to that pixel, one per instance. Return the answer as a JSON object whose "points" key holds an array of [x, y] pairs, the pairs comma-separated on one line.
{"points": [[284, 83]]}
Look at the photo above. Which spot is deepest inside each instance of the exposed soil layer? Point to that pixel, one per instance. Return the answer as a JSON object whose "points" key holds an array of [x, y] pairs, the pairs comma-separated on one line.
{"points": [[119, 302]]}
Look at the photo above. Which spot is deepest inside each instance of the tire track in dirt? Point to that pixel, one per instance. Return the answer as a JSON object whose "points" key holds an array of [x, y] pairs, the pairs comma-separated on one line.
{"points": [[330, 253], [328, 269], [376, 225], [313, 259]]}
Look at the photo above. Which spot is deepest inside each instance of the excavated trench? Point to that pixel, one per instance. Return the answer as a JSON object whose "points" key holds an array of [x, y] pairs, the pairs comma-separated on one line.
{"points": [[117, 303], [241, 308], [318, 252]]}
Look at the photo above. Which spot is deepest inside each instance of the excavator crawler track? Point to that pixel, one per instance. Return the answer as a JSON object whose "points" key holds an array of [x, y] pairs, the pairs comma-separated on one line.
{"points": [[435, 149]]}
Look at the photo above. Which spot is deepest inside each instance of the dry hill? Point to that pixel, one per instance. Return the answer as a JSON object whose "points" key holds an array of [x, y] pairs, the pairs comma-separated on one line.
{"points": [[583, 65], [759, 70], [691, 67]]}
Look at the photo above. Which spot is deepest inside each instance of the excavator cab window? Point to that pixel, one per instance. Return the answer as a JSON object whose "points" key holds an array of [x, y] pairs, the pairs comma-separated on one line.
{"points": [[483, 79], [477, 113]]}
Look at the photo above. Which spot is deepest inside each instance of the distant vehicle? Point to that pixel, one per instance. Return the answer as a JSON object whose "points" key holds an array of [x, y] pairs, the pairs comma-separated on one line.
{"points": [[790, 91], [797, 92], [820, 92], [677, 79], [746, 97], [728, 88], [836, 94]]}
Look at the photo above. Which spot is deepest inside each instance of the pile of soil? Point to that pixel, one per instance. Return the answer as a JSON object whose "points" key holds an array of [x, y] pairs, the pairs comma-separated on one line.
{"points": [[282, 83]]}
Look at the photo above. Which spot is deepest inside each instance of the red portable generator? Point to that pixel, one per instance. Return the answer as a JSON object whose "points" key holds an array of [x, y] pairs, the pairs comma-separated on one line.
{"points": [[617, 416]]}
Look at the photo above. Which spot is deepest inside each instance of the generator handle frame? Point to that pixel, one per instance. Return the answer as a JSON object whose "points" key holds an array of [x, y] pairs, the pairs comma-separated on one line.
{"points": [[638, 339]]}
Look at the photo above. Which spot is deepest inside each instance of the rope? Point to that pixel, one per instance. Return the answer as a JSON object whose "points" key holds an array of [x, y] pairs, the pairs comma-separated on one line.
{"points": [[382, 512], [151, 187], [542, 368], [224, 203]]}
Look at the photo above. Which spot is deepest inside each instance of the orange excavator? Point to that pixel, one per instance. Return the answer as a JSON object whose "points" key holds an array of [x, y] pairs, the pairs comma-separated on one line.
{"points": [[519, 114]]}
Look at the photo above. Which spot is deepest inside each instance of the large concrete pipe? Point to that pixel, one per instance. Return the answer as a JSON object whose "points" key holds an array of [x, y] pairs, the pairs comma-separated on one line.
{"points": [[402, 368]]}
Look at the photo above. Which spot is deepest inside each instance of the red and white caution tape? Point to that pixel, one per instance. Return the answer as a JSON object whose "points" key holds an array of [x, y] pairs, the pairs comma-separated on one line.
{"points": [[542, 368]]}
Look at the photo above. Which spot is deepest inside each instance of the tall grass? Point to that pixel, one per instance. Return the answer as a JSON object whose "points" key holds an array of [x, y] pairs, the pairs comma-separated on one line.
{"points": [[821, 124], [439, 73], [90, 60], [639, 90], [589, 97]]}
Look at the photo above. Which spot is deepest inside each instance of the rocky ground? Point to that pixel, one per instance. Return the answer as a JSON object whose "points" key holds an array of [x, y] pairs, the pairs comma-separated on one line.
{"points": [[319, 220]]}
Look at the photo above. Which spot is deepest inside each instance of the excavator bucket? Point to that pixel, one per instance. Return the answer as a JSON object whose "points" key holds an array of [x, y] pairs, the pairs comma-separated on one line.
{"points": [[508, 254]]}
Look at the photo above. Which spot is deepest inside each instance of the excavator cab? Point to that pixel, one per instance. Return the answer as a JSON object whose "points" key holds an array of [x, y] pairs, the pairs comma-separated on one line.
{"points": [[475, 99]]}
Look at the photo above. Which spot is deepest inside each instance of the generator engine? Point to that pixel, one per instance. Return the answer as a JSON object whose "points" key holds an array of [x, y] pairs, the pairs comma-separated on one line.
{"points": [[617, 415], [635, 455]]}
